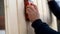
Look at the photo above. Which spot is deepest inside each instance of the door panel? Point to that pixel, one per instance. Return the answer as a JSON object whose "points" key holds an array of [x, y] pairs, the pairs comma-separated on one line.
{"points": [[15, 18]]}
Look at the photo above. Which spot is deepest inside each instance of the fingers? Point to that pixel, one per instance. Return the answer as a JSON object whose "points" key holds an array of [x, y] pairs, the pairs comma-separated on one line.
{"points": [[32, 12], [32, 5], [33, 8]]}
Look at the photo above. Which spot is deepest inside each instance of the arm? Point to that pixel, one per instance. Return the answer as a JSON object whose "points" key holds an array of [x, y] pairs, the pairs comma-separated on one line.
{"points": [[42, 28], [39, 26], [54, 8]]}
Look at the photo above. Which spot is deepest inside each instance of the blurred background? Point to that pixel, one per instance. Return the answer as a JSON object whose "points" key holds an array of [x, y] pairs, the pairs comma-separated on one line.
{"points": [[2, 18], [58, 1]]}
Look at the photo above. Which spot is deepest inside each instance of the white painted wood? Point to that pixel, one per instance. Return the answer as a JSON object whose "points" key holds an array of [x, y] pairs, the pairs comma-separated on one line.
{"points": [[21, 17], [46, 13], [11, 19], [54, 23], [15, 19]]}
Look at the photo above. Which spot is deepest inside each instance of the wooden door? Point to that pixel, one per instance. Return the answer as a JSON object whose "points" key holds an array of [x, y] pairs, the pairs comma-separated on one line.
{"points": [[15, 19]]}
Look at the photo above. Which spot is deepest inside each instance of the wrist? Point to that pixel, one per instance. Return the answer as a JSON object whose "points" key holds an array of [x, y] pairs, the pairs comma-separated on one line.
{"points": [[35, 19]]}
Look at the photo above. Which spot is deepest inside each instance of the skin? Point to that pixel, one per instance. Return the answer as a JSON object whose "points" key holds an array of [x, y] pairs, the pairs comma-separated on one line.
{"points": [[32, 12]]}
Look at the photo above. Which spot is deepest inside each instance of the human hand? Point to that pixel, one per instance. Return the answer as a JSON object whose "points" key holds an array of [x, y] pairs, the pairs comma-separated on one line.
{"points": [[32, 12]]}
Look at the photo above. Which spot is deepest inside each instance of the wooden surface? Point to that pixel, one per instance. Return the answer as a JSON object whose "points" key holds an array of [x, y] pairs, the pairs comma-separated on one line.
{"points": [[15, 18], [11, 17], [21, 17], [2, 22]]}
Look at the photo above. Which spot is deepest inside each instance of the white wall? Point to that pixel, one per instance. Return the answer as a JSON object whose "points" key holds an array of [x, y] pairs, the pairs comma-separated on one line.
{"points": [[2, 31]]}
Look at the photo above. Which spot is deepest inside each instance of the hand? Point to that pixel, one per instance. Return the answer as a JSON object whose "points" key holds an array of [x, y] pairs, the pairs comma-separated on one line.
{"points": [[32, 12]]}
